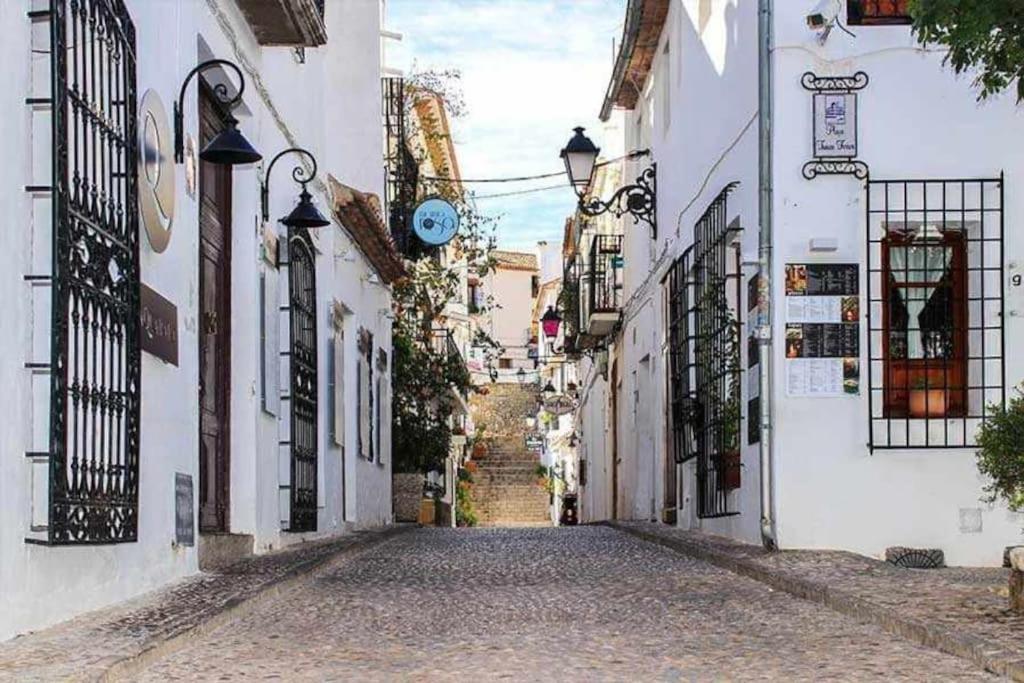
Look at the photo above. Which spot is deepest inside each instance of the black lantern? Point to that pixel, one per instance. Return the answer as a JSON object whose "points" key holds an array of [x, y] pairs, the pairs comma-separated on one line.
{"points": [[305, 214], [638, 199], [228, 147], [521, 375], [549, 390], [550, 322]]}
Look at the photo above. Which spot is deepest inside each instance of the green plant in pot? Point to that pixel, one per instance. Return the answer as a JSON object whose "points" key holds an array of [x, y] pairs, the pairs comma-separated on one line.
{"points": [[927, 398]]}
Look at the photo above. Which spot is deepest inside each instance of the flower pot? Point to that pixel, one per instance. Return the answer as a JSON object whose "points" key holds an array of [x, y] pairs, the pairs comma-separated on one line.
{"points": [[928, 402], [729, 471], [428, 511], [479, 450]]}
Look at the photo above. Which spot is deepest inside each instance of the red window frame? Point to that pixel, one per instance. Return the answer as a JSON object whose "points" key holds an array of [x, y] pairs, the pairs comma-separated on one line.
{"points": [[949, 374], [878, 12]]}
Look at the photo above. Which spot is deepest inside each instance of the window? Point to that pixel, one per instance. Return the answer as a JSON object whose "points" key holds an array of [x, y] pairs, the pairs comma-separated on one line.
{"points": [[505, 363], [474, 298], [878, 12], [534, 286], [364, 397], [935, 279]]}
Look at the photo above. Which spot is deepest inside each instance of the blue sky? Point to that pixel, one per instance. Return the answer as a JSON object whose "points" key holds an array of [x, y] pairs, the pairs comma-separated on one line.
{"points": [[531, 70]]}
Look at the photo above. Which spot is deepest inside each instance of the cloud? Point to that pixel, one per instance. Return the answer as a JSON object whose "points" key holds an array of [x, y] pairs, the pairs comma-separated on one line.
{"points": [[531, 70]]}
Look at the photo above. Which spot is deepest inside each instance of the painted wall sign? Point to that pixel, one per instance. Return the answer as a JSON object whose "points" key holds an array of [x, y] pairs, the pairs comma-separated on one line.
{"points": [[822, 329], [535, 442], [158, 325], [834, 125], [435, 221], [156, 171], [184, 511]]}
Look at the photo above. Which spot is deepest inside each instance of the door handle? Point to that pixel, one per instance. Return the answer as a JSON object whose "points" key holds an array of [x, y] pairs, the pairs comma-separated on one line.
{"points": [[210, 322]]}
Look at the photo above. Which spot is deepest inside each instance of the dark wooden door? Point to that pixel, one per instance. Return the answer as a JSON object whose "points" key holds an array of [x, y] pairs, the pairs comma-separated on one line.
{"points": [[214, 326]]}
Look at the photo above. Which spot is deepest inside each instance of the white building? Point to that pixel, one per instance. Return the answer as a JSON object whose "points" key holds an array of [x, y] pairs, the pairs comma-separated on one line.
{"points": [[251, 410], [889, 273], [509, 288]]}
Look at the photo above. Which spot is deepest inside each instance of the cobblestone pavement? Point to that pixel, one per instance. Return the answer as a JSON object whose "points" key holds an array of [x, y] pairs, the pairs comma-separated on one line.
{"points": [[591, 603]]}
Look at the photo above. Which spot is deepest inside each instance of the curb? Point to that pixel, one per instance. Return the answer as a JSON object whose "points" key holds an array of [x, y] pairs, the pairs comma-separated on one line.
{"points": [[987, 656], [129, 666]]}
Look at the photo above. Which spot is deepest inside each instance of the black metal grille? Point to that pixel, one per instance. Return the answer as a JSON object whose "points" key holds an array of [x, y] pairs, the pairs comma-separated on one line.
{"points": [[880, 12], [302, 354], [401, 169], [935, 313], [605, 281], [569, 304], [704, 358], [95, 353]]}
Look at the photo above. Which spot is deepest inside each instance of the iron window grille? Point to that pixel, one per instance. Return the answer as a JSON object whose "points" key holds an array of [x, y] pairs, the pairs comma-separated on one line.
{"points": [[401, 172], [605, 274], [935, 314], [878, 12], [302, 357], [703, 300], [95, 347], [569, 303]]}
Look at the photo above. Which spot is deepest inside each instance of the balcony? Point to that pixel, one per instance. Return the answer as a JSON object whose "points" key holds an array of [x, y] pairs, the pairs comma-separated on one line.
{"points": [[603, 286], [294, 23], [569, 305]]}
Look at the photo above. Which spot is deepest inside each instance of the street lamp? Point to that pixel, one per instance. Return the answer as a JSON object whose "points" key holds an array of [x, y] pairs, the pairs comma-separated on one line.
{"points": [[638, 199], [549, 391], [550, 322], [521, 376], [228, 147], [305, 214]]}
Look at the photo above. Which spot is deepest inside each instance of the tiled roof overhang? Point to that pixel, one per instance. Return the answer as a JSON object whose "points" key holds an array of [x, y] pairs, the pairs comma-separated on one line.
{"points": [[359, 213], [644, 21]]}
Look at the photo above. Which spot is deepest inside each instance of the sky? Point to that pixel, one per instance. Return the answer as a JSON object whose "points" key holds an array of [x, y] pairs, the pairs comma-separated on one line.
{"points": [[531, 71]]}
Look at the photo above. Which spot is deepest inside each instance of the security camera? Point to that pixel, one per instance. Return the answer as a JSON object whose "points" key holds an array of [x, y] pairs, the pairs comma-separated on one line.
{"points": [[824, 14]]}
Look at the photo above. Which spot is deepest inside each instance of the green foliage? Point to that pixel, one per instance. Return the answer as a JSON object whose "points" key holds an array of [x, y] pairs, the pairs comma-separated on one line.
{"points": [[465, 513], [983, 34], [1001, 452]]}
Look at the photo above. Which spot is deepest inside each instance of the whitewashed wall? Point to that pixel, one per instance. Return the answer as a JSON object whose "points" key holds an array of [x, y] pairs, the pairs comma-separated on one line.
{"points": [[330, 105]]}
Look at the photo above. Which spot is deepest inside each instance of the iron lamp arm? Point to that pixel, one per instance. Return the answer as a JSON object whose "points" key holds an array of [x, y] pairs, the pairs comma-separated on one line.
{"points": [[221, 91], [300, 174], [639, 200]]}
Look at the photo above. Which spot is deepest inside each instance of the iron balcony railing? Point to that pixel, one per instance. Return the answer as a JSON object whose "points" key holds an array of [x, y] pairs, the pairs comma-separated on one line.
{"points": [[401, 172], [604, 274], [442, 342], [569, 304]]}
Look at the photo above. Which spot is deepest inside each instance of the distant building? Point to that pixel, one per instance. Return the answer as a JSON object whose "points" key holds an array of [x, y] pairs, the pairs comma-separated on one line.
{"points": [[511, 289]]}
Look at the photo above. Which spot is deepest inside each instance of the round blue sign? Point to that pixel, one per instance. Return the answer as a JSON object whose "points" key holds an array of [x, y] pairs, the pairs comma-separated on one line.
{"points": [[435, 221]]}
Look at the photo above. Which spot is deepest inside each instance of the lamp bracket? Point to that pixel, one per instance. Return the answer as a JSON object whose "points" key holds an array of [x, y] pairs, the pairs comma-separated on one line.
{"points": [[220, 90], [300, 174], [639, 200]]}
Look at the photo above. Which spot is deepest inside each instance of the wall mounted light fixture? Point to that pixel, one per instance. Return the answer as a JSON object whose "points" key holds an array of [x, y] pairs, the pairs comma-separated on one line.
{"points": [[638, 200], [305, 214], [228, 147]]}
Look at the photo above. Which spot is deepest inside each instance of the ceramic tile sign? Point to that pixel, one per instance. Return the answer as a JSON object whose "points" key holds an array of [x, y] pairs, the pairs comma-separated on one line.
{"points": [[822, 329], [835, 124]]}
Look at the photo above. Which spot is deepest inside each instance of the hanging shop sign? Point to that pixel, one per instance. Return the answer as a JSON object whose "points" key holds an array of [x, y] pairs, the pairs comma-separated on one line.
{"points": [[158, 325], [156, 171], [535, 442], [435, 221], [822, 329], [834, 116]]}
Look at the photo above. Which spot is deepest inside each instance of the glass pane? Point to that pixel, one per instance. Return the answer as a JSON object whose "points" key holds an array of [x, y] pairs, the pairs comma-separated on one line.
{"points": [[920, 263], [921, 322]]}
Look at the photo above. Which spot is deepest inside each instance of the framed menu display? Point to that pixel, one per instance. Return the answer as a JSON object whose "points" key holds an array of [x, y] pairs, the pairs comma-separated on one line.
{"points": [[822, 329]]}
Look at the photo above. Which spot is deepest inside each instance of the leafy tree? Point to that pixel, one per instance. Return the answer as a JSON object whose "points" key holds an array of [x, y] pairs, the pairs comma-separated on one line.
{"points": [[1001, 453], [983, 34]]}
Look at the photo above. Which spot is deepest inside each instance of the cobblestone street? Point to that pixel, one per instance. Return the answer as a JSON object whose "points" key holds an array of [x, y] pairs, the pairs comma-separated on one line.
{"points": [[586, 602]]}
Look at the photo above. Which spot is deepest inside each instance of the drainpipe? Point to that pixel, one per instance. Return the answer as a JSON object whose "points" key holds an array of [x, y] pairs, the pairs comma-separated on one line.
{"points": [[764, 332]]}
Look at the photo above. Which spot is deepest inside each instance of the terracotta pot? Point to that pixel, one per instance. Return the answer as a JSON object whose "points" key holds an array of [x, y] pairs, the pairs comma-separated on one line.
{"points": [[928, 402], [428, 512], [729, 474]]}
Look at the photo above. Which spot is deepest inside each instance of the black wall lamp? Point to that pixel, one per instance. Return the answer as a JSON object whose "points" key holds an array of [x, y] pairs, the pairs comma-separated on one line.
{"points": [[638, 199], [228, 147], [305, 214]]}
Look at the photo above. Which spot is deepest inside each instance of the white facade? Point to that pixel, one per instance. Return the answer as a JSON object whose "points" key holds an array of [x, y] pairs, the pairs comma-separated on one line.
{"points": [[330, 104], [698, 112]]}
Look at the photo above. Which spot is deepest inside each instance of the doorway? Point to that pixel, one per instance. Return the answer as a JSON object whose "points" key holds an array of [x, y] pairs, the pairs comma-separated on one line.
{"points": [[214, 324]]}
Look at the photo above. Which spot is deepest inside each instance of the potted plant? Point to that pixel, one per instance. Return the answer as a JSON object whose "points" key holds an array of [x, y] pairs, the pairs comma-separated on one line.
{"points": [[927, 400]]}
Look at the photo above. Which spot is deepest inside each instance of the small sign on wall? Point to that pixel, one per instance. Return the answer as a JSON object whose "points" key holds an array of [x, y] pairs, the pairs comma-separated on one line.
{"points": [[184, 514], [834, 125], [158, 325], [822, 329]]}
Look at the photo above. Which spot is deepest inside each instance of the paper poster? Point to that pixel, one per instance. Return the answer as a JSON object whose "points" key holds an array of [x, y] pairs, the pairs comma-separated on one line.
{"points": [[822, 329]]}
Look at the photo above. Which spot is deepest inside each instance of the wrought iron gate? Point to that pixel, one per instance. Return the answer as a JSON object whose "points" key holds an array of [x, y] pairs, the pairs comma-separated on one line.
{"points": [[704, 359], [303, 392], [95, 353]]}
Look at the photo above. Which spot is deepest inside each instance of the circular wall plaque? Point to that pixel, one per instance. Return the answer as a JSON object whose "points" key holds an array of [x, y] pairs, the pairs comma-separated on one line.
{"points": [[435, 221], [156, 171]]}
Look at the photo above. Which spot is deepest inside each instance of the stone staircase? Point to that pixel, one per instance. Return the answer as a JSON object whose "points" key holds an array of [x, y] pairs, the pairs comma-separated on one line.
{"points": [[505, 491]]}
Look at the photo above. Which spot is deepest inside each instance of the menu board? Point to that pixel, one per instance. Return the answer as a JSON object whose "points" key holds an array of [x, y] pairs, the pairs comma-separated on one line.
{"points": [[822, 329]]}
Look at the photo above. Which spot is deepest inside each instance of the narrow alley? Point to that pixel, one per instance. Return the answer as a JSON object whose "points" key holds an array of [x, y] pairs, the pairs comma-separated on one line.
{"points": [[530, 603]]}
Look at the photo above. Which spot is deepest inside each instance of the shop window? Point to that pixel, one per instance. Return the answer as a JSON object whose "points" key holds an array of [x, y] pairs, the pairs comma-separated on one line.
{"points": [[878, 12], [935, 310]]}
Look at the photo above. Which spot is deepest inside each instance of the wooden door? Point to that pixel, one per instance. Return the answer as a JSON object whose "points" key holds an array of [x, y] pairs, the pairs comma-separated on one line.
{"points": [[214, 325]]}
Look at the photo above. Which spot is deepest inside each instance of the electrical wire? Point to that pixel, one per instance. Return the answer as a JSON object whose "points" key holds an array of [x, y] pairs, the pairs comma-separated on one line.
{"points": [[560, 186], [539, 176]]}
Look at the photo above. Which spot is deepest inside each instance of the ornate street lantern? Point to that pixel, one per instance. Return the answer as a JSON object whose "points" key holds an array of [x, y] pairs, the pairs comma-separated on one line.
{"points": [[638, 199], [521, 376], [228, 147], [550, 322], [305, 214], [549, 390]]}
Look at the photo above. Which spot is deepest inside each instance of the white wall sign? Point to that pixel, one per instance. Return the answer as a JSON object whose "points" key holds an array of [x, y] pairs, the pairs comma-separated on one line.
{"points": [[156, 171], [835, 124]]}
